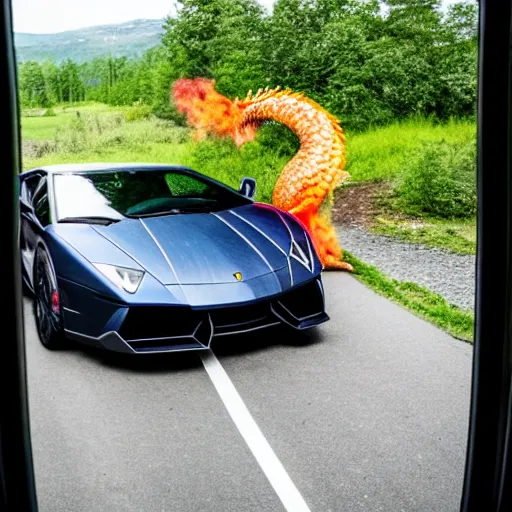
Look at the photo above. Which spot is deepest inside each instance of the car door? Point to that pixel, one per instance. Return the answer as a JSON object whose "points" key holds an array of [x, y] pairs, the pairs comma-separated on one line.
{"points": [[35, 216]]}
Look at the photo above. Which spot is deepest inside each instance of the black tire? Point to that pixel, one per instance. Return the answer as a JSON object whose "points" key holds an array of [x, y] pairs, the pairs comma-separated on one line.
{"points": [[48, 322]]}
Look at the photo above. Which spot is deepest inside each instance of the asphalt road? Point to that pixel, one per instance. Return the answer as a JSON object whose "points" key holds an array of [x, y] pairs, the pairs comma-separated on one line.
{"points": [[370, 413]]}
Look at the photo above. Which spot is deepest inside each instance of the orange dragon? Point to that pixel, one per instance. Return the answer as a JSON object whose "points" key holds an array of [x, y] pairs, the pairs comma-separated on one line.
{"points": [[309, 179]]}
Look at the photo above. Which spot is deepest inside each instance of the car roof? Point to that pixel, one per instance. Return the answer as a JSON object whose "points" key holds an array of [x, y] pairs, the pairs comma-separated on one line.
{"points": [[108, 166]]}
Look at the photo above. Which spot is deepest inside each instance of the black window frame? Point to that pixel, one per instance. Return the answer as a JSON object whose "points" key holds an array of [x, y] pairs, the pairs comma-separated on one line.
{"points": [[27, 193], [42, 194]]}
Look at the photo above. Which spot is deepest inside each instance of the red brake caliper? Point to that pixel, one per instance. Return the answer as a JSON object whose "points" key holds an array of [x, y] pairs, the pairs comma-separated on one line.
{"points": [[55, 302]]}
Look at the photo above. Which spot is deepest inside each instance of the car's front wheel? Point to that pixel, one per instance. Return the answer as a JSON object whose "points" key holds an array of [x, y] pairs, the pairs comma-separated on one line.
{"points": [[47, 302]]}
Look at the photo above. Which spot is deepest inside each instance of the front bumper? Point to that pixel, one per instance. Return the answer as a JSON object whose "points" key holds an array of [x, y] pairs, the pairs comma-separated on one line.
{"points": [[142, 329]]}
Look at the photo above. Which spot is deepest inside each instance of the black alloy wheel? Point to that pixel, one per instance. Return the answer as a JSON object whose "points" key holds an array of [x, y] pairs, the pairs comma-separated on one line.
{"points": [[46, 302]]}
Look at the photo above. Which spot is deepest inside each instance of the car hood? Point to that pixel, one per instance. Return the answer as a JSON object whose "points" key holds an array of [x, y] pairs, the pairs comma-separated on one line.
{"points": [[199, 248]]}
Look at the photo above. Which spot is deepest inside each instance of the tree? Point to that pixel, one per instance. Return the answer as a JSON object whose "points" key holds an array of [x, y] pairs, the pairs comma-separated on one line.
{"points": [[412, 61], [51, 76], [32, 86], [364, 66], [457, 66], [218, 39], [73, 89]]}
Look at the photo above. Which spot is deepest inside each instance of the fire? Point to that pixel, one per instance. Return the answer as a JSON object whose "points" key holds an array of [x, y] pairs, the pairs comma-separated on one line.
{"points": [[209, 112]]}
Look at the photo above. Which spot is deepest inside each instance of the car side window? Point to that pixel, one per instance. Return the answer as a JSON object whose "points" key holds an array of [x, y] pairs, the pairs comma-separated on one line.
{"points": [[41, 203]]}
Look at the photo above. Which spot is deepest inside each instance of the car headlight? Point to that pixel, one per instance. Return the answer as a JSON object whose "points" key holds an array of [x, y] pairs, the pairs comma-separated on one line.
{"points": [[128, 279]]}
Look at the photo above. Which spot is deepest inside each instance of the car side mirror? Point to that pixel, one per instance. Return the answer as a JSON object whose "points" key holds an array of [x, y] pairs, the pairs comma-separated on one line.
{"points": [[248, 187]]}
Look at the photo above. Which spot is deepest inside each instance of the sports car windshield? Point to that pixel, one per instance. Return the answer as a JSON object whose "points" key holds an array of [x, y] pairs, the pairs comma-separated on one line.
{"points": [[109, 196]]}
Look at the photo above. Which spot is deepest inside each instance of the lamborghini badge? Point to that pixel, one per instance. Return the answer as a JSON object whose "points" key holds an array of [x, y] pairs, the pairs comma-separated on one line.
{"points": [[238, 276]]}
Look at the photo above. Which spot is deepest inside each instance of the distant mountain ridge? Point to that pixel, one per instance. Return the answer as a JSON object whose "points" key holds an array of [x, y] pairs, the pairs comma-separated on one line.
{"points": [[130, 39]]}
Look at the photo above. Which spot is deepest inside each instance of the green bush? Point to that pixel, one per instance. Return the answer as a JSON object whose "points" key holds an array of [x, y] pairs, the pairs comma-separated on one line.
{"points": [[168, 112], [221, 159], [137, 111], [440, 180], [279, 139]]}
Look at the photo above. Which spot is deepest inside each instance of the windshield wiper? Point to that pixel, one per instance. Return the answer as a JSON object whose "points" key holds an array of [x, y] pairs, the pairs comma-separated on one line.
{"points": [[200, 208], [174, 211], [93, 219]]}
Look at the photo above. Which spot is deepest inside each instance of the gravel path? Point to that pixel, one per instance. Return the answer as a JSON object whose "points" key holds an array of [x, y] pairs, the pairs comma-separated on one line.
{"points": [[450, 275]]}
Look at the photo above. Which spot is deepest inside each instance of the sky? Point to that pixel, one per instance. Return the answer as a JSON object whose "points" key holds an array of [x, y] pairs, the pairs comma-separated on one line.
{"points": [[50, 16]]}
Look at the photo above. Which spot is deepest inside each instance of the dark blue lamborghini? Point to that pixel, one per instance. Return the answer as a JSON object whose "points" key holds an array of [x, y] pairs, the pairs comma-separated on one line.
{"points": [[140, 258]]}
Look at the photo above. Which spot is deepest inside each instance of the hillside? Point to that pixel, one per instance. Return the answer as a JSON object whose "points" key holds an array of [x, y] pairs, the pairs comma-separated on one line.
{"points": [[129, 39]]}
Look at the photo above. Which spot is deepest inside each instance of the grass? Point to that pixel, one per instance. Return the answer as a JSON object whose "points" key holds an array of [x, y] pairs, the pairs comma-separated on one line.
{"points": [[43, 128], [455, 236], [380, 154], [153, 153], [35, 126], [418, 300]]}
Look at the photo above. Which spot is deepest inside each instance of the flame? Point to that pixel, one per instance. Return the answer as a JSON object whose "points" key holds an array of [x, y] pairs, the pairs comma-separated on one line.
{"points": [[209, 112]]}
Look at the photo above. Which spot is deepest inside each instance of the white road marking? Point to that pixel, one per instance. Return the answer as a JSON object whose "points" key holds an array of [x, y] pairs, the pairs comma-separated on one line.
{"points": [[262, 451]]}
